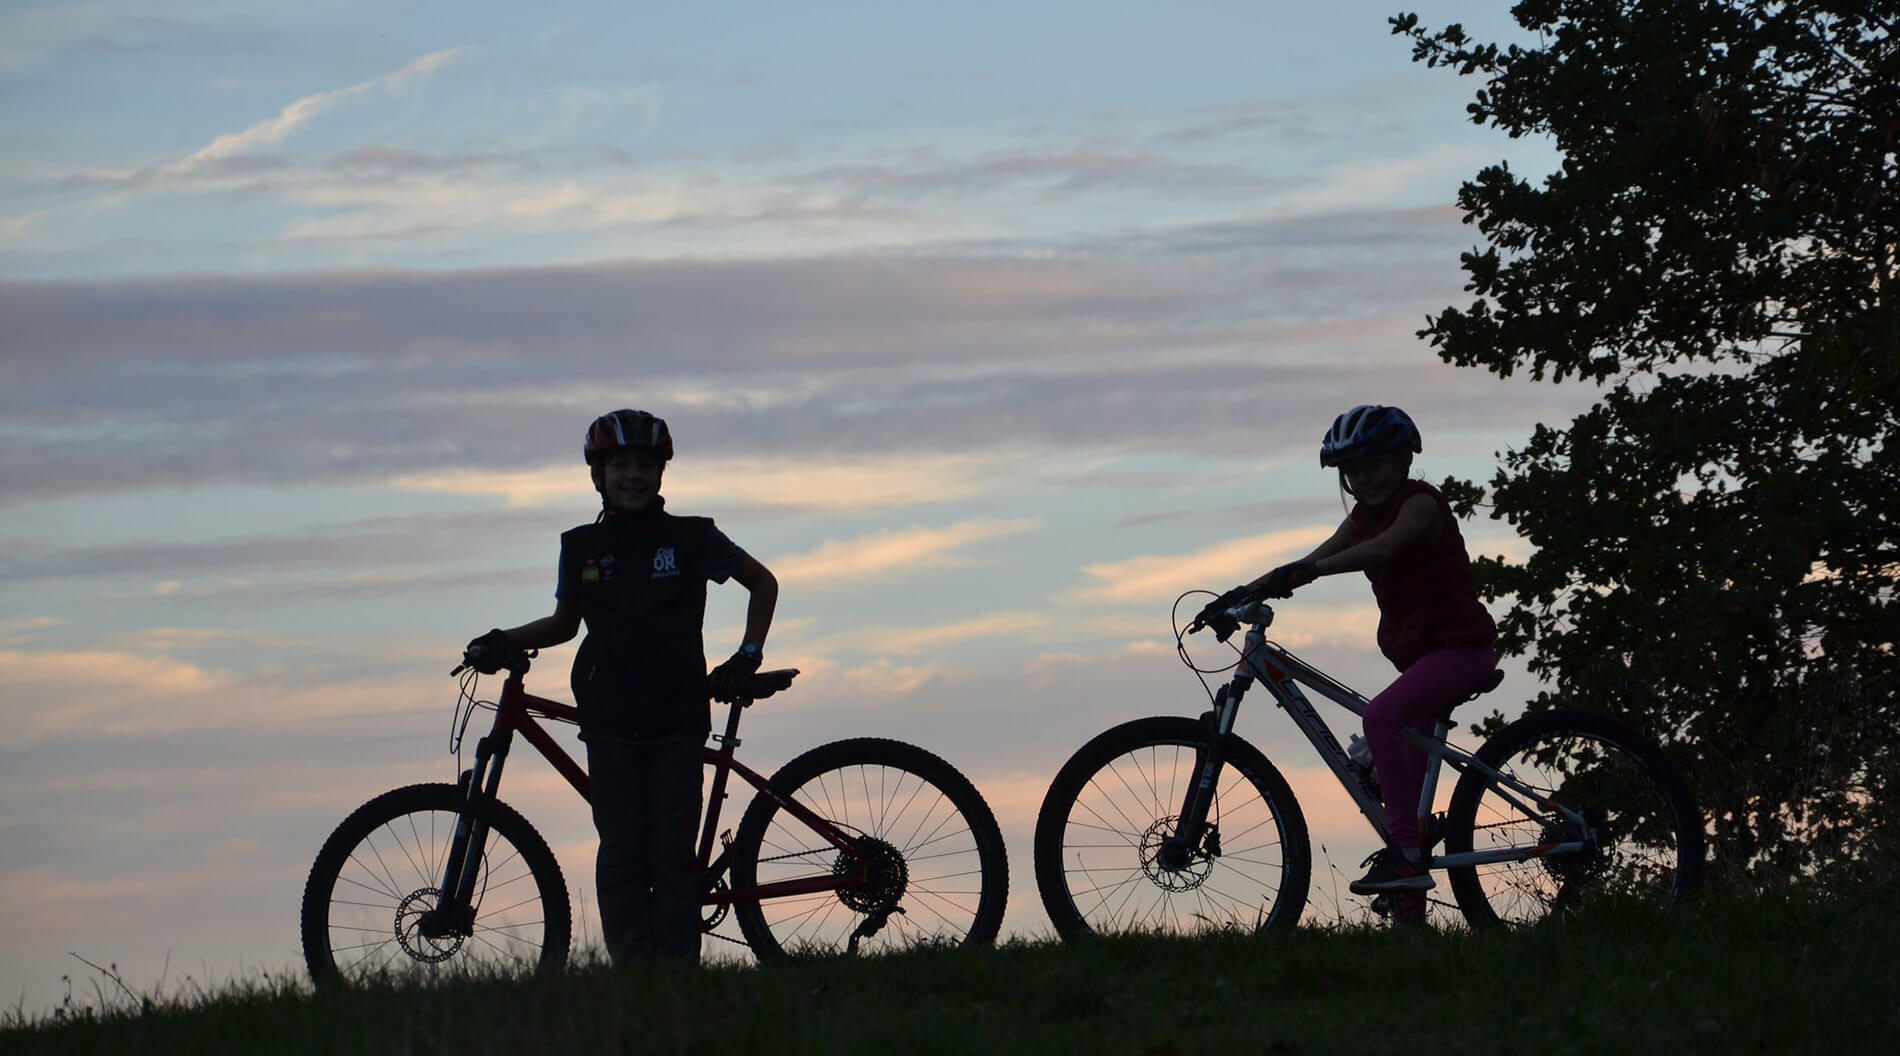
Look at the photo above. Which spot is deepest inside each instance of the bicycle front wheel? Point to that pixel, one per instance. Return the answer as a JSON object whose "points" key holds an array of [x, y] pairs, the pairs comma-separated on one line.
{"points": [[926, 848], [368, 905], [1104, 856], [1627, 804]]}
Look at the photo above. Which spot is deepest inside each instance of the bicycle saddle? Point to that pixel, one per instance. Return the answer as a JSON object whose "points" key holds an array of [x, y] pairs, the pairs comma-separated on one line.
{"points": [[1497, 676], [766, 683]]}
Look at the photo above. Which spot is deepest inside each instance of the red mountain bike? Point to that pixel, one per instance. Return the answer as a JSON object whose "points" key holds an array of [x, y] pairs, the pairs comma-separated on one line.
{"points": [[855, 846]]}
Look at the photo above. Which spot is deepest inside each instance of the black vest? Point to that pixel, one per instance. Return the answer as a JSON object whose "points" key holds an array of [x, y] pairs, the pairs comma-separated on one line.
{"points": [[640, 582]]}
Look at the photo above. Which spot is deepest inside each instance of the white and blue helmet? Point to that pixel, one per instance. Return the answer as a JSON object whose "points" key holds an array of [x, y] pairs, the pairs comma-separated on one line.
{"points": [[1366, 430]]}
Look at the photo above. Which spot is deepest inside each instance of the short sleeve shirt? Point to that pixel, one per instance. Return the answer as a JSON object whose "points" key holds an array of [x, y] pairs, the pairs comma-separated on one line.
{"points": [[723, 558]]}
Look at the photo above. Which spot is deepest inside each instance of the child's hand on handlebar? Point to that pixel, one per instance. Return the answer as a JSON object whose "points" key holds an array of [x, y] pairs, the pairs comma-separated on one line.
{"points": [[488, 652], [1215, 612]]}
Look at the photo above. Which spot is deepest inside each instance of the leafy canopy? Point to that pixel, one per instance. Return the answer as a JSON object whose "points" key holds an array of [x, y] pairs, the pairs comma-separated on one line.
{"points": [[1715, 540]]}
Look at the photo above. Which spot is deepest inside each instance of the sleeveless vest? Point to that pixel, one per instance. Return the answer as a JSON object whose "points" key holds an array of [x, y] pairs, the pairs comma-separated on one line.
{"points": [[1426, 598], [640, 582]]}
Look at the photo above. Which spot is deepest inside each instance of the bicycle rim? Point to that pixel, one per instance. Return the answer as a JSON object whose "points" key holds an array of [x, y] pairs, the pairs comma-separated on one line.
{"points": [[926, 846], [1640, 827], [1101, 863], [379, 875]]}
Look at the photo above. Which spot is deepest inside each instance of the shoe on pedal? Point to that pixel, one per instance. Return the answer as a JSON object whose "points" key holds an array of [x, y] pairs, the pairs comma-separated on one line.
{"points": [[1392, 871]]}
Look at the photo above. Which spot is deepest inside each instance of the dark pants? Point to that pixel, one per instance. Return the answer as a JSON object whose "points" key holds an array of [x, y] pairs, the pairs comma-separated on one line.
{"points": [[646, 799], [1431, 687]]}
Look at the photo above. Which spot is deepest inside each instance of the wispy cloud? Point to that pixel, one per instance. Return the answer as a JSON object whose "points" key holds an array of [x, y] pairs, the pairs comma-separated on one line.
{"points": [[111, 694], [869, 380], [905, 641], [802, 482], [294, 116], [1159, 577], [889, 552]]}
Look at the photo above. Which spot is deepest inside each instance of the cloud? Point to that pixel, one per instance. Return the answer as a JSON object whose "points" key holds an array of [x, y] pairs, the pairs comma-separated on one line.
{"points": [[108, 693], [914, 374], [904, 641], [294, 116], [366, 546], [812, 483], [1159, 577], [889, 553]]}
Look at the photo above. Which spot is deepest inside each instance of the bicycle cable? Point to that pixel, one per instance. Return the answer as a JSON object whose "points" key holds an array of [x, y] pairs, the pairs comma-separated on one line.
{"points": [[466, 704], [1180, 645]]}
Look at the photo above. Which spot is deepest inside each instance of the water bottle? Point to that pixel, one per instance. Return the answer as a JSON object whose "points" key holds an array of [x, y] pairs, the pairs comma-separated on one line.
{"points": [[1361, 755]]}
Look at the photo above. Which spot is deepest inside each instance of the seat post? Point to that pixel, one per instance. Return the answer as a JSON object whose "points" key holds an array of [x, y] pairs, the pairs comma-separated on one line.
{"points": [[730, 738]]}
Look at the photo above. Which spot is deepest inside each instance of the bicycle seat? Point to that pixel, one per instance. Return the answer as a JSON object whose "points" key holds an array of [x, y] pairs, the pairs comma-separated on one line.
{"points": [[1489, 685], [766, 683]]}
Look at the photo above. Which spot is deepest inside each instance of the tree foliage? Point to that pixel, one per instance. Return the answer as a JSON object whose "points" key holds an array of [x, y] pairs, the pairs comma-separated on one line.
{"points": [[1715, 540]]}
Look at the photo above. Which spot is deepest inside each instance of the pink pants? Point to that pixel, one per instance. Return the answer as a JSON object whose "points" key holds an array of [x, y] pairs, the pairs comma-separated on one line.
{"points": [[1430, 688]]}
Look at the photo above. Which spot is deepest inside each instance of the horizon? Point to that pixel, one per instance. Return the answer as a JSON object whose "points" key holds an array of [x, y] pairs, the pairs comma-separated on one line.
{"points": [[990, 330]]}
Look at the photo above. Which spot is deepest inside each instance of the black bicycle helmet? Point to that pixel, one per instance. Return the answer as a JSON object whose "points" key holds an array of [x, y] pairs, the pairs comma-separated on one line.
{"points": [[627, 430], [1366, 430]]}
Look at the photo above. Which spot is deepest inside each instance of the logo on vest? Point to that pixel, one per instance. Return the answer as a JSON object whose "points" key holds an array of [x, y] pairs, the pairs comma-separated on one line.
{"points": [[665, 563], [599, 570]]}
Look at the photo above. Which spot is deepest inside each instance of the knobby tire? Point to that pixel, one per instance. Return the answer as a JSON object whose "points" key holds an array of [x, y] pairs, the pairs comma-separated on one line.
{"points": [[381, 867], [1645, 844], [1098, 865], [940, 872]]}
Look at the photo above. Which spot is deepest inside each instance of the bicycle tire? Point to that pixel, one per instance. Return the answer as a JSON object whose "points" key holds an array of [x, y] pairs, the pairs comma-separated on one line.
{"points": [[1647, 840], [935, 846], [383, 865], [1097, 859]]}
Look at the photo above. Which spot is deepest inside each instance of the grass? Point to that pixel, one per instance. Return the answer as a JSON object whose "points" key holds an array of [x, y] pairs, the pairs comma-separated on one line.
{"points": [[1758, 974]]}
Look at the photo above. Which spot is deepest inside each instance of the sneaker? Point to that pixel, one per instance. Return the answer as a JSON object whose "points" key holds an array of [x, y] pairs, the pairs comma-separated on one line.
{"points": [[1392, 871]]}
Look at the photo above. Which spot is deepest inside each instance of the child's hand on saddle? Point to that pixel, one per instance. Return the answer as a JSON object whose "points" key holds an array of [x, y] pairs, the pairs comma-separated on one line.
{"points": [[729, 679]]}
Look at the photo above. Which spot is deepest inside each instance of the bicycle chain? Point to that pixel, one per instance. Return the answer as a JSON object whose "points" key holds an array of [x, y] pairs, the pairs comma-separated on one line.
{"points": [[774, 858]]}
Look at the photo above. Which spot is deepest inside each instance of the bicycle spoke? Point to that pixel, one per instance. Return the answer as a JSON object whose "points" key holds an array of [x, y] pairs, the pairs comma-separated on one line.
{"points": [[912, 849], [1112, 856]]}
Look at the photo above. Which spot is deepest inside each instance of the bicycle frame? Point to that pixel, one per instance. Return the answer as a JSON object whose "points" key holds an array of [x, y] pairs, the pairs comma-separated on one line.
{"points": [[516, 711], [1282, 674]]}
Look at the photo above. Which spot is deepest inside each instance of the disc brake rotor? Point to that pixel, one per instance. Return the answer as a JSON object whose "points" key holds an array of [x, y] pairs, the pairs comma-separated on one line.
{"points": [[410, 916]]}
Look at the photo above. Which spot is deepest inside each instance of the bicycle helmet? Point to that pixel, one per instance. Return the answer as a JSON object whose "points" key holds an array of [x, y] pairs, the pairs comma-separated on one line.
{"points": [[1368, 429], [627, 430]]}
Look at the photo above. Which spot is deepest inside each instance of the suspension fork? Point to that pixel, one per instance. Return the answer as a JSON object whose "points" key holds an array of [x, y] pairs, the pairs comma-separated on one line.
{"points": [[461, 872], [1192, 834]]}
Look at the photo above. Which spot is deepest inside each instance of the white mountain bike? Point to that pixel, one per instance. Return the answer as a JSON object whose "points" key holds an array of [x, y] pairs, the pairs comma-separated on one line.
{"points": [[1177, 825]]}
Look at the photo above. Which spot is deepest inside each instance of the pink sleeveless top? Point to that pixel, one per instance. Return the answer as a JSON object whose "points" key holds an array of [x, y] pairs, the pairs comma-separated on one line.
{"points": [[1426, 599]]}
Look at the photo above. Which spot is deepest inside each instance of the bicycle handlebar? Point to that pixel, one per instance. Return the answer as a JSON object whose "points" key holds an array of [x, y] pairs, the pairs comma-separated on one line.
{"points": [[517, 661], [1228, 618], [757, 686]]}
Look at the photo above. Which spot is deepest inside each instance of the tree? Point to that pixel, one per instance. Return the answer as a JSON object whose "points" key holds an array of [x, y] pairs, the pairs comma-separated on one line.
{"points": [[1715, 540]]}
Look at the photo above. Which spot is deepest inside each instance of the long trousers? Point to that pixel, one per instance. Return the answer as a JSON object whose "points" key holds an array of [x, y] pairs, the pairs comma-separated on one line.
{"points": [[646, 800], [1430, 688]]}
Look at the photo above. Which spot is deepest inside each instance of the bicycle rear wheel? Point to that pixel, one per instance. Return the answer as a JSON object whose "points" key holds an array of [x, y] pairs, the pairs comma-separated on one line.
{"points": [[933, 857], [381, 871], [1642, 831], [1100, 861]]}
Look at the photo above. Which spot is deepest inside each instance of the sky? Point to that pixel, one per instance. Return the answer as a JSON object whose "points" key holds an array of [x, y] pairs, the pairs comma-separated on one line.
{"points": [[990, 328]]}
